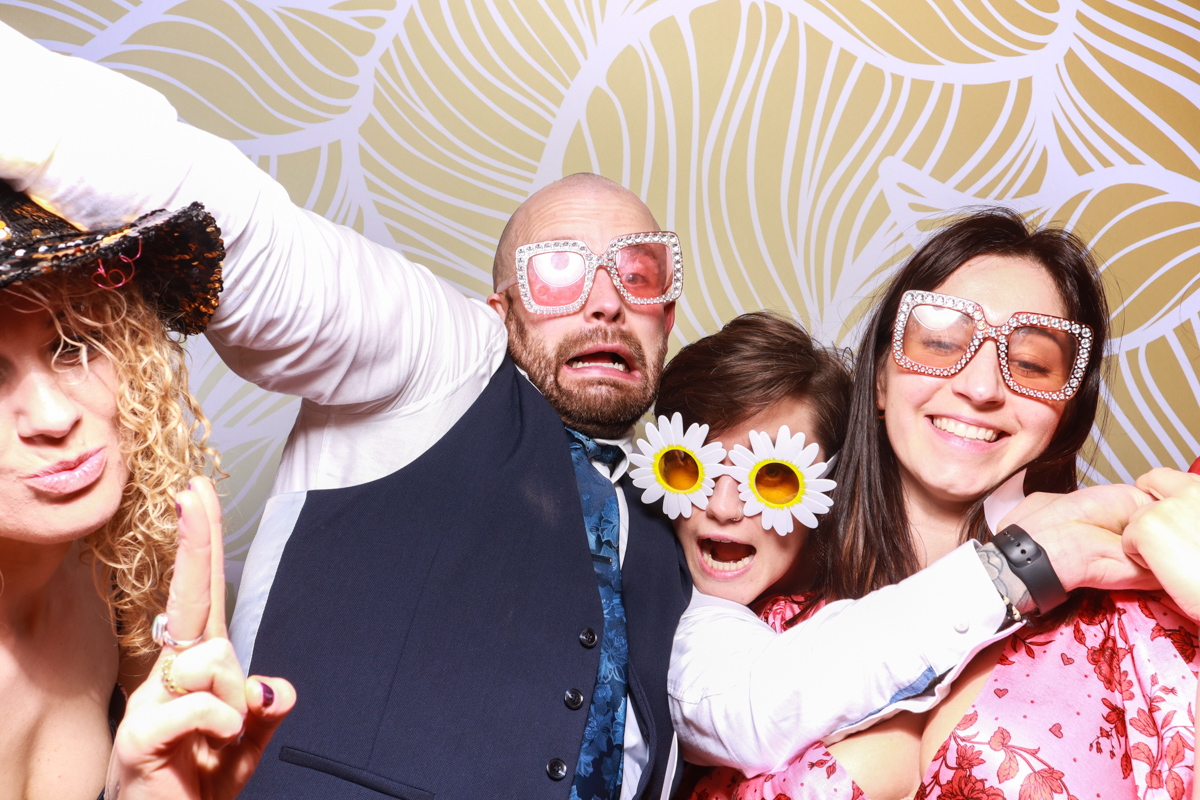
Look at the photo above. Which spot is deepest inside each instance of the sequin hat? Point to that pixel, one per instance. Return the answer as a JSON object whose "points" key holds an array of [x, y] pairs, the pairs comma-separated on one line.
{"points": [[174, 257]]}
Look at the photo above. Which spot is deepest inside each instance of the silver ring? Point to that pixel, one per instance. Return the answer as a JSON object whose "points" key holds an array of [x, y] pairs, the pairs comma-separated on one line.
{"points": [[735, 519], [163, 638]]}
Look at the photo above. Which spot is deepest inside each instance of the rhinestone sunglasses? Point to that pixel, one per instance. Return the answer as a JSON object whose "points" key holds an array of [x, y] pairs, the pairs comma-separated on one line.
{"points": [[1040, 356], [556, 277]]}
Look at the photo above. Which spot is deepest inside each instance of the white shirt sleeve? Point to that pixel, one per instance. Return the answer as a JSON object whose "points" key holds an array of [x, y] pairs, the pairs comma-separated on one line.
{"points": [[745, 696], [309, 308]]}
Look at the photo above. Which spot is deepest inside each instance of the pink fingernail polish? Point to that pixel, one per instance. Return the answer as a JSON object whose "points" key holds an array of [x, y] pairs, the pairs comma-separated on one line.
{"points": [[178, 509]]}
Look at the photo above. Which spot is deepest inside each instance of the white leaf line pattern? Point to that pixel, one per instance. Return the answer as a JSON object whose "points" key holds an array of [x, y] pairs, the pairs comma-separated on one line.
{"points": [[798, 148]]}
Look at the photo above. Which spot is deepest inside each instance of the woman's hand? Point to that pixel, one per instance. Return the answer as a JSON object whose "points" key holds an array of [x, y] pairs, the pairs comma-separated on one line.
{"points": [[1081, 533], [1164, 536], [197, 727]]}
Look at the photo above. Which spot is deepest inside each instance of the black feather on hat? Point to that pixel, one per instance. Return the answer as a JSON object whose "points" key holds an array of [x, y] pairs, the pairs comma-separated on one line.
{"points": [[173, 256]]}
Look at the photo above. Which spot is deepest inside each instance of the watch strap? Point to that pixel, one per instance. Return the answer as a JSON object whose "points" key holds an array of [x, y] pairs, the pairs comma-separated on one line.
{"points": [[1032, 566]]}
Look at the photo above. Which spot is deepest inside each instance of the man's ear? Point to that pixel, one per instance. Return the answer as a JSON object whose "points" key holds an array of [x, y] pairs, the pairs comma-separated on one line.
{"points": [[499, 302], [668, 318]]}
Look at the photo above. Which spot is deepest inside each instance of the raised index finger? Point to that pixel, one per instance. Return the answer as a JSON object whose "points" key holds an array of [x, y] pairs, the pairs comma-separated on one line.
{"points": [[189, 600], [207, 493]]}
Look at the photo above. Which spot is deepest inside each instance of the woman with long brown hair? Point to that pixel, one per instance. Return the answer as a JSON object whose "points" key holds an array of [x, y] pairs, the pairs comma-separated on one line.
{"points": [[981, 367]]}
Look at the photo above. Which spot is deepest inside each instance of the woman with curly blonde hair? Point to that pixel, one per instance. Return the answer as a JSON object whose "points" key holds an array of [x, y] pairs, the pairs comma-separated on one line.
{"points": [[100, 445]]}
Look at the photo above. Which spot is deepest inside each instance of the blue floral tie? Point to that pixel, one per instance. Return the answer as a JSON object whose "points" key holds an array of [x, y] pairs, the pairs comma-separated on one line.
{"points": [[598, 775]]}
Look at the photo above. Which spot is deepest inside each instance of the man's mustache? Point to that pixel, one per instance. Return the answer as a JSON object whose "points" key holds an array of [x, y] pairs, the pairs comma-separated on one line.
{"points": [[577, 342]]}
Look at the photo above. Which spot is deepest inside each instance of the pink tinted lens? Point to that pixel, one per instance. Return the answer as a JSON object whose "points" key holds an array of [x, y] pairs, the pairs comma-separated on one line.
{"points": [[556, 278], [1041, 358], [936, 336], [646, 269]]}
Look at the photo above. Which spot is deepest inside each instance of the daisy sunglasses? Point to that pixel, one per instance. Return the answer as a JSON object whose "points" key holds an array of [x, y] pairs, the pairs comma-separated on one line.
{"points": [[1040, 356], [556, 277], [777, 477]]}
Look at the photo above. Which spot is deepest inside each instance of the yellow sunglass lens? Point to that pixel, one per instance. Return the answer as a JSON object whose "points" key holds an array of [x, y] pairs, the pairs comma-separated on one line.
{"points": [[678, 470], [776, 483]]}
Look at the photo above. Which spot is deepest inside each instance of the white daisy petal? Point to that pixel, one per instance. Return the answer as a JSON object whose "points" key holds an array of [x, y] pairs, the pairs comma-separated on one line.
{"points": [[815, 500], [653, 493], [742, 457], [820, 485], [766, 518], [784, 445], [761, 444], [671, 505], [807, 456], [782, 522], [804, 515], [656, 439], [817, 470], [644, 482], [752, 507], [641, 462], [694, 438], [677, 428]]}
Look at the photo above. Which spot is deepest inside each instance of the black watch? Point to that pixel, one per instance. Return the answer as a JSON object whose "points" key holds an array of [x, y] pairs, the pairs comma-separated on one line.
{"points": [[1030, 563]]}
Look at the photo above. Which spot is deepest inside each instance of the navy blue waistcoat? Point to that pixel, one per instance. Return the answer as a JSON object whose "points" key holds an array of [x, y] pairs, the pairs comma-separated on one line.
{"points": [[435, 620]]}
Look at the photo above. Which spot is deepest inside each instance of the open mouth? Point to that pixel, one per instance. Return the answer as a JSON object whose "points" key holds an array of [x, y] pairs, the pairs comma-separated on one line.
{"points": [[722, 555], [964, 431], [603, 359]]}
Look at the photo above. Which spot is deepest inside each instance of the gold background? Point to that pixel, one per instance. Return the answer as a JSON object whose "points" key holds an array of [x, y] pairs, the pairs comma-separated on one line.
{"points": [[798, 148]]}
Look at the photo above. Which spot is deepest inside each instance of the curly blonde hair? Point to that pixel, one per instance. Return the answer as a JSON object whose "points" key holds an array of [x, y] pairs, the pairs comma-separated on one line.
{"points": [[163, 436]]}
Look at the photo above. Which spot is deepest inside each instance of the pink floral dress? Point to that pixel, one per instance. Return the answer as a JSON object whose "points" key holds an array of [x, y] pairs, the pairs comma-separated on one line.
{"points": [[1100, 707]]}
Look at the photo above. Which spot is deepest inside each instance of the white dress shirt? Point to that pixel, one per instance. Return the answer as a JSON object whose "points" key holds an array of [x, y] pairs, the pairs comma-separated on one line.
{"points": [[745, 696]]}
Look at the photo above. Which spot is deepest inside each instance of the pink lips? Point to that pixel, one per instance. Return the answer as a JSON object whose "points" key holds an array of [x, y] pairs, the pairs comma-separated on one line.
{"points": [[73, 475]]}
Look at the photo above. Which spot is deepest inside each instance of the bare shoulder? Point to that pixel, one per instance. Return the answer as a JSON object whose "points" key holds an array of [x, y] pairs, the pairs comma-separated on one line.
{"points": [[884, 760], [945, 716]]}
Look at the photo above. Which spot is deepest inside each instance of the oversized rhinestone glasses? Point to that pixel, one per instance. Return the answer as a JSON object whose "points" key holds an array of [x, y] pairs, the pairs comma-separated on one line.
{"points": [[1040, 355], [556, 277]]}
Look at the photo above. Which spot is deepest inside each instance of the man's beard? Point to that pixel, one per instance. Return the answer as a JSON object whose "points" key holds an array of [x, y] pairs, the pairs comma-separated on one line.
{"points": [[604, 408]]}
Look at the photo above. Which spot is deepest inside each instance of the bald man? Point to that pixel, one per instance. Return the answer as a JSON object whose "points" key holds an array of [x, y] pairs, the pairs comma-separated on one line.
{"points": [[457, 617], [450, 569]]}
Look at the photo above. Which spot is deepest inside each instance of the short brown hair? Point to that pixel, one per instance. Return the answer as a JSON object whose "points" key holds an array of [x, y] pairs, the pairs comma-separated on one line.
{"points": [[755, 361]]}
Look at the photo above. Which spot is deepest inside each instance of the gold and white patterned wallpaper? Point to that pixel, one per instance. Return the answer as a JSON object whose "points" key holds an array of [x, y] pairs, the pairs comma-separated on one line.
{"points": [[798, 147]]}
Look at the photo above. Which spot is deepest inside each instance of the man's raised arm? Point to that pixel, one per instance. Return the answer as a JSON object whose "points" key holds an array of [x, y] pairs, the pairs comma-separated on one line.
{"points": [[309, 308]]}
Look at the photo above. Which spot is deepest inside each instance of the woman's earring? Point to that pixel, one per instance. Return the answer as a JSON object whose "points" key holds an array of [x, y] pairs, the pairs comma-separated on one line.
{"points": [[880, 414]]}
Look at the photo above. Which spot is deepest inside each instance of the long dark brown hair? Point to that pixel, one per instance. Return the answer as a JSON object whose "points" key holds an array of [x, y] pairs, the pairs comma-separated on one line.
{"points": [[872, 544]]}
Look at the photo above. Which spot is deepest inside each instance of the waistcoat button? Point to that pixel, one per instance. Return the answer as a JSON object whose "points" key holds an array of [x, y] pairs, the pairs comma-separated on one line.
{"points": [[574, 699], [556, 769], [588, 638]]}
